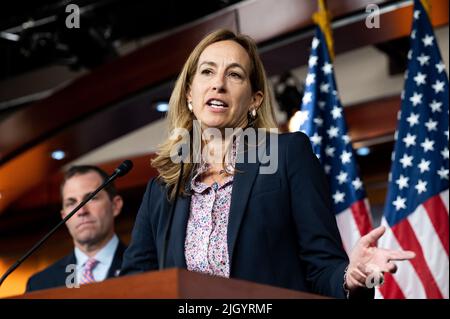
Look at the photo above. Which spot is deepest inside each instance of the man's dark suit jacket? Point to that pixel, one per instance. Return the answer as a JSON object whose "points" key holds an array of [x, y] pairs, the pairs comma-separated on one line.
{"points": [[55, 275], [281, 229]]}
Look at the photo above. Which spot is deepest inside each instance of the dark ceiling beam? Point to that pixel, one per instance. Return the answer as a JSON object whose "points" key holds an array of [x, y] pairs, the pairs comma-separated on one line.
{"points": [[293, 50]]}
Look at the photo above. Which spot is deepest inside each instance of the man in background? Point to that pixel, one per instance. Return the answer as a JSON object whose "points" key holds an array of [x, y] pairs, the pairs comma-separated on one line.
{"points": [[97, 253]]}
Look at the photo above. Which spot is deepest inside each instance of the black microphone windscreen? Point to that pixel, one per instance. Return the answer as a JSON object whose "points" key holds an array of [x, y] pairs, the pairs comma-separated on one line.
{"points": [[124, 168]]}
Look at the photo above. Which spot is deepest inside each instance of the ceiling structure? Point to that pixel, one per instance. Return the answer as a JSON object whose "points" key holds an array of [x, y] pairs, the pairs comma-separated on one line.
{"points": [[34, 34], [34, 38]]}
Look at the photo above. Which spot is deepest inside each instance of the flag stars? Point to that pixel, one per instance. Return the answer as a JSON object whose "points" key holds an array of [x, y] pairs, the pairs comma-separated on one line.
{"points": [[444, 153], [435, 106], [327, 169], [443, 173], [327, 68], [357, 183], [428, 40], [440, 67], [342, 177], [325, 88], [413, 119], [438, 86], [421, 186], [402, 182], [416, 14], [423, 59], [310, 79], [420, 78], [318, 121], [315, 43], [399, 203], [321, 104], [406, 160], [431, 125], [302, 116], [338, 197], [416, 98], [316, 139], [312, 61], [346, 157], [330, 151], [413, 34], [346, 138], [333, 131], [307, 97], [427, 145], [409, 140], [424, 166], [336, 112]]}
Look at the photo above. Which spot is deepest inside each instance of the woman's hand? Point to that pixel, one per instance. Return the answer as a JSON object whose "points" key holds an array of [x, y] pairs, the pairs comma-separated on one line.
{"points": [[369, 263]]}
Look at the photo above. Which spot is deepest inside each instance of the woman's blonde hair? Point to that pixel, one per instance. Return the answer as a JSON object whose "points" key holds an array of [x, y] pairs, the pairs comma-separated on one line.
{"points": [[180, 116]]}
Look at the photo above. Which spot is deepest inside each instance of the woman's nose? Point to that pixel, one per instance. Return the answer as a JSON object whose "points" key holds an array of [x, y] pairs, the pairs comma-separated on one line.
{"points": [[219, 83]]}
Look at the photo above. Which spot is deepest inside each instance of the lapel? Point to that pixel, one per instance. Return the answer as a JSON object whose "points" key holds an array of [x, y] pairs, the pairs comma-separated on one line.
{"points": [[178, 231], [246, 172], [61, 275], [242, 185], [116, 264]]}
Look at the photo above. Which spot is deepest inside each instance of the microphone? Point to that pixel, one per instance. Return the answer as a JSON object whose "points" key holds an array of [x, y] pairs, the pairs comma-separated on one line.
{"points": [[124, 168], [121, 170], [162, 264]]}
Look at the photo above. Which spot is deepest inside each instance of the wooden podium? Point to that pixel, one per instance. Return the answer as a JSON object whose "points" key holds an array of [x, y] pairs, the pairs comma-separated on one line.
{"points": [[170, 284]]}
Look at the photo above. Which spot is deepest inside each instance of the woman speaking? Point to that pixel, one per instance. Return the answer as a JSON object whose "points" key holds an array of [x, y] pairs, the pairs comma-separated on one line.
{"points": [[217, 208]]}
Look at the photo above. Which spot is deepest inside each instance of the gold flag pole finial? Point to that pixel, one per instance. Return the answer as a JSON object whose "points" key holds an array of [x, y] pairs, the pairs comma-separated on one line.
{"points": [[427, 6], [322, 18]]}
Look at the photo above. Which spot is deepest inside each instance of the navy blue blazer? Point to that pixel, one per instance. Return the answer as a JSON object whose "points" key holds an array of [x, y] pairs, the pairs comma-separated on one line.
{"points": [[281, 230], [55, 275]]}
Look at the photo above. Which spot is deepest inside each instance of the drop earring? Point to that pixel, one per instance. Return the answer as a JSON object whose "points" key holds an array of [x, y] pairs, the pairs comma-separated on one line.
{"points": [[190, 107], [251, 117]]}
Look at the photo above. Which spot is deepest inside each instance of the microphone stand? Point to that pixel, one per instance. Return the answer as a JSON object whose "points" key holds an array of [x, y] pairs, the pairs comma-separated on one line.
{"points": [[120, 171]]}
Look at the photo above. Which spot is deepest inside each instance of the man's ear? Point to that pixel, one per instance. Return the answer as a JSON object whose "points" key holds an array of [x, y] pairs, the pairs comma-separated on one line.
{"points": [[117, 204]]}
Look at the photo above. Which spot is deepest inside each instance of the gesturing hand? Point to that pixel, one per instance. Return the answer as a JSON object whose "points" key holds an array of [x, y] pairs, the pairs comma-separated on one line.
{"points": [[367, 260]]}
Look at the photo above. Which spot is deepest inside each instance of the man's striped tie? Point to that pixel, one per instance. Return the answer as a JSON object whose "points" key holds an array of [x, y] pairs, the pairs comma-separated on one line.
{"points": [[87, 276]]}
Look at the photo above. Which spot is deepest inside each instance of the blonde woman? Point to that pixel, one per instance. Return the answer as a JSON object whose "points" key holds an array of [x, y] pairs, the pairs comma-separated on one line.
{"points": [[219, 212]]}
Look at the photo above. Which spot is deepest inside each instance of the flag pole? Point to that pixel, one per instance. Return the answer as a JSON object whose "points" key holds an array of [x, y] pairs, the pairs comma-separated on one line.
{"points": [[322, 18]]}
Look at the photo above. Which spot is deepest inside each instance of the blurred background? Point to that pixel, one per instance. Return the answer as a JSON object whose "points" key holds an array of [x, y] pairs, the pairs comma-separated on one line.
{"points": [[98, 94]]}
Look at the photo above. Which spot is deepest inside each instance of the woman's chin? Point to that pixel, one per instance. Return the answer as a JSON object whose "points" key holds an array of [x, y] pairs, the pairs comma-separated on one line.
{"points": [[215, 123]]}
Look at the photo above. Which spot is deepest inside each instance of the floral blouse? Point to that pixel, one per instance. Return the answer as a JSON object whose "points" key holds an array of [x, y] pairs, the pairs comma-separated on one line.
{"points": [[206, 248]]}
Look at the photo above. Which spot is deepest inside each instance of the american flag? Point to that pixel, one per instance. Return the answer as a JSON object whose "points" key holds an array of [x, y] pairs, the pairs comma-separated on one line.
{"points": [[416, 207], [322, 119]]}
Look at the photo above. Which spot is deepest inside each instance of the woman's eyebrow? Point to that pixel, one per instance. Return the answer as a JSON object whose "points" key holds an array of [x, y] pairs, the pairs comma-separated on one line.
{"points": [[231, 65], [210, 63]]}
